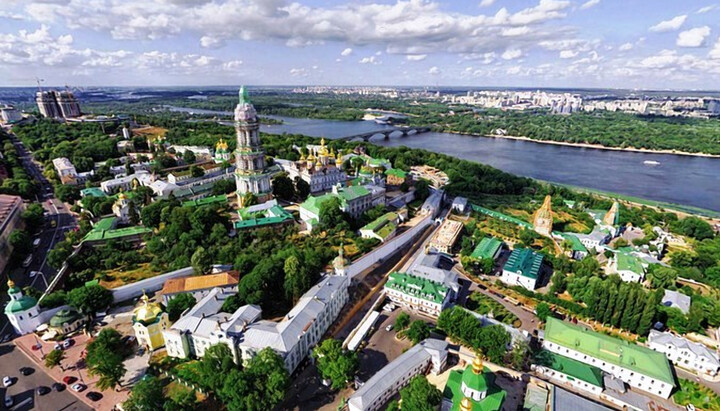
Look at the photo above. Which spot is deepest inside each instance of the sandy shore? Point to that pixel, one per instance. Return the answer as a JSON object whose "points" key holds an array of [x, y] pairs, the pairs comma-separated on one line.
{"points": [[594, 146]]}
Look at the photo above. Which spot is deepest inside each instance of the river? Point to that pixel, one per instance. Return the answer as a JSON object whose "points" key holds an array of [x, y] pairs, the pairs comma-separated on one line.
{"points": [[678, 179]]}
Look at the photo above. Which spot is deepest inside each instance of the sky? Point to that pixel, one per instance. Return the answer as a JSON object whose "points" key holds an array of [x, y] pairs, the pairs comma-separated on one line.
{"points": [[644, 44]]}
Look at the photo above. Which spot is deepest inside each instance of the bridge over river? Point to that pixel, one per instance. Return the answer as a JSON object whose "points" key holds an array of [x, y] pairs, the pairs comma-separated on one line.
{"points": [[386, 132]]}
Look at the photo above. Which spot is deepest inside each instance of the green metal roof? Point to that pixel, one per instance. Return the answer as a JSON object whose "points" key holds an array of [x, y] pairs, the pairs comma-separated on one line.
{"points": [[219, 199], [273, 215], [575, 243], [313, 203], [487, 248], [453, 391], [92, 192], [627, 262], [345, 194], [24, 303], [396, 172], [104, 224], [418, 287], [501, 216], [353, 192], [525, 262], [64, 316], [380, 221], [575, 369], [96, 234], [611, 350], [479, 382]]}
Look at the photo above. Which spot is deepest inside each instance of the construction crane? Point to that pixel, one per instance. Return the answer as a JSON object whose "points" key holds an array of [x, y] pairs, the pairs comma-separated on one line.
{"points": [[39, 80]]}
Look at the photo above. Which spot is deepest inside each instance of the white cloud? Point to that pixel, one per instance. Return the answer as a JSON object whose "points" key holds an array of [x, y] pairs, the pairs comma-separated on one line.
{"points": [[434, 71], [487, 3], [694, 37], [369, 60], [348, 51], [589, 3], [511, 54], [568, 54], [626, 47], [210, 42], [715, 52], [416, 57], [669, 25], [298, 72], [706, 9]]}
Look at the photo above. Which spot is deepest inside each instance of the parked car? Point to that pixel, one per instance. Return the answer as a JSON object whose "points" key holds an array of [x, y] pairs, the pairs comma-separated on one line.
{"points": [[67, 343], [8, 400], [94, 396], [389, 327], [42, 390], [26, 262], [78, 387], [7, 381], [58, 386], [35, 347], [69, 379], [36, 242], [34, 273], [26, 371], [57, 346]]}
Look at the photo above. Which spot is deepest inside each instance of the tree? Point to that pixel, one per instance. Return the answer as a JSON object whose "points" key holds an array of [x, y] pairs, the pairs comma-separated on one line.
{"points": [[334, 363], [54, 299], [694, 227], [422, 189], [283, 187], [559, 283], [528, 237], [20, 241], [331, 214], [110, 370], [418, 331], [248, 199], [215, 365], [34, 217], [543, 311], [67, 193], [520, 355], [105, 355], [54, 358], [183, 400], [661, 277], [260, 386], [402, 321], [189, 157], [90, 299], [196, 171], [201, 261], [223, 187], [302, 189], [146, 395], [178, 304], [133, 216], [420, 395], [648, 313], [297, 279]]}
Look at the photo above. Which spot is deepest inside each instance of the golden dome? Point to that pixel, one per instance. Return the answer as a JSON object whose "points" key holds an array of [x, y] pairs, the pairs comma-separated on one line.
{"points": [[221, 145], [121, 196], [147, 312], [466, 404], [311, 157], [302, 156], [11, 283], [477, 365]]}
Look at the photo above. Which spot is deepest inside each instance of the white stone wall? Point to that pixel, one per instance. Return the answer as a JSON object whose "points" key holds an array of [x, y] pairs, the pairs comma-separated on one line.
{"points": [[511, 278], [632, 378]]}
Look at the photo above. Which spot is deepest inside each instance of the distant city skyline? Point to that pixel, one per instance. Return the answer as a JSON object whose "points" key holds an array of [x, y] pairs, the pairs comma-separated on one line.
{"points": [[488, 43]]}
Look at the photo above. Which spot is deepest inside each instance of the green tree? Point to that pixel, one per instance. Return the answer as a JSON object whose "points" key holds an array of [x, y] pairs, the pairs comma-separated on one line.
{"points": [[183, 400], [146, 395], [34, 217], [648, 313], [260, 386], [201, 261], [302, 189], [196, 171], [54, 358], [283, 187], [520, 355], [402, 321], [661, 277], [189, 157], [331, 215], [90, 299], [418, 331], [543, 311], [420, 395], [54, 299], [178, 304], [334, 363], [559, 283], [215, 365], [105, 355], [133, 216], [297, 280], [422, 189], [20, 241], [67, 193], [249, 199]]}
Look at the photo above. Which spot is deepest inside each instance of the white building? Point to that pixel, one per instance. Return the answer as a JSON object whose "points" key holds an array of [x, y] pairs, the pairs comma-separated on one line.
{"points": [[685, 353], [677, 300], [432, 204], [628, 267], [292, 338], [162, 188], [321, 169], [523, 268], [121, 208], [65, 170], [199, 151], [635, 365], [126, 183], [460, 205], [22, 311], [428, 354], [9, 115]]}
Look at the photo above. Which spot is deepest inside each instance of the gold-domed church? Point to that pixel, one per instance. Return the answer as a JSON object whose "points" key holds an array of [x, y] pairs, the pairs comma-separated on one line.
{"points": [[321, 168], [149, 320]]}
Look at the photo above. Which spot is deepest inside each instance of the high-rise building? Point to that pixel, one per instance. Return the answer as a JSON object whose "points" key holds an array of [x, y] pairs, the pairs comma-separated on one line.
{"points": [[714, 106], [57, 104], [9, 115], [251, 173]]}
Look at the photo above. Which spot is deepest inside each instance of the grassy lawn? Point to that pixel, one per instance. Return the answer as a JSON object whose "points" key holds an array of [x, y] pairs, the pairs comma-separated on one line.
{"points": [[693, 393], [482, 304], [116, 278]]}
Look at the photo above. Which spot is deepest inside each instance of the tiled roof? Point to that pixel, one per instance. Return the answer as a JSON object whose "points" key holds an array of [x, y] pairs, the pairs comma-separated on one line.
{"points": [[525, 262], [611, 350], [200, 282]]}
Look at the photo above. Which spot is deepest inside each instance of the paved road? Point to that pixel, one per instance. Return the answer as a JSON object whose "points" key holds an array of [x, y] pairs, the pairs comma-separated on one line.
{"points": [[23, 390], [49, 236]]}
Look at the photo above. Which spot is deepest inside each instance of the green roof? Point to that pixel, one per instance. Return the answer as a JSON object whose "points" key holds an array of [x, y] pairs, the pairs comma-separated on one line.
{"points": [[64, 316], [479, 382], [453, 391], [525, 262], [219, 199], [353, 192], [501, 216], [313, 203], [627, 262], [273, 215], [575, 369], [345, 194], [487, 248], [384, 225], [396, 172], [24, 303], [422, 288], [92, 192], [609, 349], [575, 243], [104, 224], [97, 235]]}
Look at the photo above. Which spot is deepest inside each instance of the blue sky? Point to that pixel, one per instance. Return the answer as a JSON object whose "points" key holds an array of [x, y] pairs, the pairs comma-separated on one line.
{"points": [[541, 43]]}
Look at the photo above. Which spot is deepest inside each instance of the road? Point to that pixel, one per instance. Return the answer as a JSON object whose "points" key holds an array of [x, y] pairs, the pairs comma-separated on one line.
{"points": [[49, 236], [23, 390]]}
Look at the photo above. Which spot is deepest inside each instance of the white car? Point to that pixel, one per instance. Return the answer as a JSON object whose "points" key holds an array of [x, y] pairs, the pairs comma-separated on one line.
{"points": [[8, 401], [78, 387], [27, 261], [34, 273], [7, 381], [36, 242], [389, 327]]}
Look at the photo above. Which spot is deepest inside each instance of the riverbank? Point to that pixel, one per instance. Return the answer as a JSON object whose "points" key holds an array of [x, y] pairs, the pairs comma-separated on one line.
{"points": [[593, 146]]}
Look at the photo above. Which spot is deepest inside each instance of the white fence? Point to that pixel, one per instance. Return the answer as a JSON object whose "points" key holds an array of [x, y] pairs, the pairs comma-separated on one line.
{"points": [[367, 261]]}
